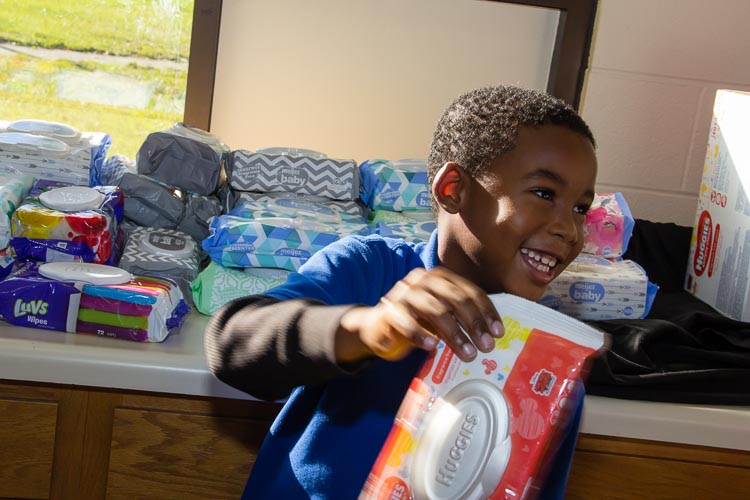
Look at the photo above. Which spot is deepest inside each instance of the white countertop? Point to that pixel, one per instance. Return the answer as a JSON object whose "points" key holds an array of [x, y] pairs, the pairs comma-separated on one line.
{"points": [[178, 366]]}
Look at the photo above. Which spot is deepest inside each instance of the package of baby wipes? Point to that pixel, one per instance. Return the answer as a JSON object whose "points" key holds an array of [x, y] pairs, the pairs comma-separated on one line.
{"points": [[608, 226], [59, 222], [92, 298], [278, 242], [163, 253], [29, 299], [395, 185], [415, 232], [249, 205], [594, 288], [486, 428], [217, 285], [143, 309], [13, 190], [267, 172]]}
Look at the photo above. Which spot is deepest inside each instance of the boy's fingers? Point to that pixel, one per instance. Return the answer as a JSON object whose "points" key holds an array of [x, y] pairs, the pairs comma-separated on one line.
{"points": [[405, 324], [462, 302], [437, 316]]}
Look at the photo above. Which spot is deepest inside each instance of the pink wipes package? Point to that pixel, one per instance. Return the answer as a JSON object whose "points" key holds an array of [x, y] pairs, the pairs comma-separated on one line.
{"points": [[486, 428], [608, 227]]}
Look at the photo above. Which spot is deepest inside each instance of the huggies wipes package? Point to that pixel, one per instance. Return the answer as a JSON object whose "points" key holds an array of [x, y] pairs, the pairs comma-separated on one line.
{"points": [[484, 429]]}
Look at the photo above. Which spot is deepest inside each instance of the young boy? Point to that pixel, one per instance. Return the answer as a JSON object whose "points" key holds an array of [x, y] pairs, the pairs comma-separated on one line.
{"points": [[512, 174]]}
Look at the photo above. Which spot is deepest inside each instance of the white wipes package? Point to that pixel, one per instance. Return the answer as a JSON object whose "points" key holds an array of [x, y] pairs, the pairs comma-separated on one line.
{"points": [[594, 288]]}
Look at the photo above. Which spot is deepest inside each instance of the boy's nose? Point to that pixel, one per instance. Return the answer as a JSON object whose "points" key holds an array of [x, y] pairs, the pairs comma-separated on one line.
{"points": [[566, 227]]}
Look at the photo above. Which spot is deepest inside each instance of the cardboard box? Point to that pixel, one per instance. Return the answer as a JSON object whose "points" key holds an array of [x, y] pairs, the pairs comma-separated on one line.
{"points": [[719, 266]]}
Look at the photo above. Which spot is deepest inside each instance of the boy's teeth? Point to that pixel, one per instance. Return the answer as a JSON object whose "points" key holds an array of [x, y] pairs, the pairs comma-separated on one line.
{"points": [[546, 261]]}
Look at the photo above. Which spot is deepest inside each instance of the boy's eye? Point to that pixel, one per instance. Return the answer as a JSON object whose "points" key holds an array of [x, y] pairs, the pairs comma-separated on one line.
{"points": [[546, 194], [582, 209]]}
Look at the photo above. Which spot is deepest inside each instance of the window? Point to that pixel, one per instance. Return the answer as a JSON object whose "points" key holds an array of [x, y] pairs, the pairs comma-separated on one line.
{"points": [[119, 67]]}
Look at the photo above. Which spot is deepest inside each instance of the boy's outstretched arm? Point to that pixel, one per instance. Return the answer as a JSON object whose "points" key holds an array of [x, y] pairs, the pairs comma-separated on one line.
{"points": [[267, 347]]}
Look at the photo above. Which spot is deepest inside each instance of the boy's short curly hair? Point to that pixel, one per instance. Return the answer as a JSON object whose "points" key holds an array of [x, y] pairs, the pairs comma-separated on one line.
{"points": [[483, 124]]}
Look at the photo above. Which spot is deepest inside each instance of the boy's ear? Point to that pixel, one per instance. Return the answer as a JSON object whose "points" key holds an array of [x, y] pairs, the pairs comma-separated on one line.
{"points": [[449, 186]]}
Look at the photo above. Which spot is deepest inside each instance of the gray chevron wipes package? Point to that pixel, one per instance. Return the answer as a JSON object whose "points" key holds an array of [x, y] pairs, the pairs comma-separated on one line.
{"points": [[594, 288], [311, 175], [279, 242], [217, 285], [162, 253], [53, 151], [59, 222], [148, 203], [488, 428], [395, 185], [94, 299], [184, 157]]}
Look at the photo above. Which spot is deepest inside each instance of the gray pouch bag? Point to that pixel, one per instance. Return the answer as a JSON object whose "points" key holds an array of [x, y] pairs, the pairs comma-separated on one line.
{"points": [[197, 213], [148, 203], [181, 162]]}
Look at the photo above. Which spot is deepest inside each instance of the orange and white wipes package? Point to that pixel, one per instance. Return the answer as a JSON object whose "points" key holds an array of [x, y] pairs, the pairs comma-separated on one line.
{"points": [[483, 429]]}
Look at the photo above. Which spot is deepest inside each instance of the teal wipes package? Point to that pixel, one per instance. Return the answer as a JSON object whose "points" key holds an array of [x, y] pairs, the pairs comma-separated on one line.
{"points": [[279, 242], [593, 288], [399, 185]]}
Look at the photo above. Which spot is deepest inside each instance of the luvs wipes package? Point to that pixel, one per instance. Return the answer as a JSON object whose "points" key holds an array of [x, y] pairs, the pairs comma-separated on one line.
{"points": [[485, 429]]}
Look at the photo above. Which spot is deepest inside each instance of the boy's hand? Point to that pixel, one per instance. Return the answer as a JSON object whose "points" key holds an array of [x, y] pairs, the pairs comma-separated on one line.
{"points": [[422, 309]]}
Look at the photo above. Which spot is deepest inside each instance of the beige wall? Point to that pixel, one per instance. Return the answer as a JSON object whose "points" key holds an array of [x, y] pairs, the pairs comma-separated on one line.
{"points": [[655, 66], [366, 78]]}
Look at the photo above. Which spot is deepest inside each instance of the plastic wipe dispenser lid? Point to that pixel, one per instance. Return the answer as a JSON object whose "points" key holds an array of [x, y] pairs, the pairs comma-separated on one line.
{"points": [[60, 131], [18, 141], [72, 198], [465, 446], [95, 274], [163, 243]]}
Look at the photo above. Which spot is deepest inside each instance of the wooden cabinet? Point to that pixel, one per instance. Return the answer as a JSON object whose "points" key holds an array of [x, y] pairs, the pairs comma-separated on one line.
{"points": [[81, 443], [617, 468], [84, 443]]}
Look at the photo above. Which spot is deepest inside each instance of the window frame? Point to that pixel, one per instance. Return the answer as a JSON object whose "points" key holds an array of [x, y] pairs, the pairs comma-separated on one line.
{"points": [[567, 71]]}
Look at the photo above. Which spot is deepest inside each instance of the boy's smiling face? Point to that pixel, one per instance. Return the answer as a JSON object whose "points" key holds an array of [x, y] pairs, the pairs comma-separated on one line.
{"points": [[516, 228]]}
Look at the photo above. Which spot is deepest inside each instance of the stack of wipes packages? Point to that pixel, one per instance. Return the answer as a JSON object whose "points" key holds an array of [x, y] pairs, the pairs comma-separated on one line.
{"points": [[163, 253], [216, 285], [13, 190], [53, 151], [92, 298], [398, 192], [487, 428], [179, 172], [599, 284], [68, 223], [286, 204]]}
